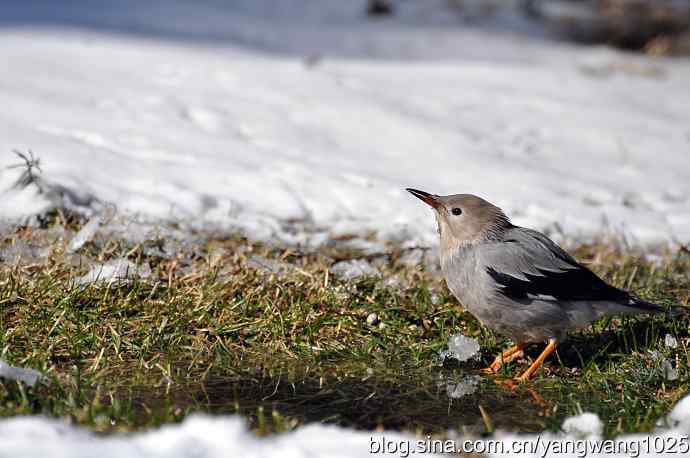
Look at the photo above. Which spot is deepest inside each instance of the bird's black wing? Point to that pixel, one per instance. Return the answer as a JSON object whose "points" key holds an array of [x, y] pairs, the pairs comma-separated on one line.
{"points": [[527, 263]]}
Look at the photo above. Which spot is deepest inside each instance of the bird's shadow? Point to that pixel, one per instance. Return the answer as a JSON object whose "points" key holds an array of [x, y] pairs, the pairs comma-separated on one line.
{"points": [[616, 336]]}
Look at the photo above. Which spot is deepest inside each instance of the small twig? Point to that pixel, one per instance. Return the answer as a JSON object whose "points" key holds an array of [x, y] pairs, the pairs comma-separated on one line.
{"points": [[30, 162], [488, 424]]}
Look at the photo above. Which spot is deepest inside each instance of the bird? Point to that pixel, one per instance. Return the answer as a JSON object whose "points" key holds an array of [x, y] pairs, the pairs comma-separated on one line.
{"points": [[518, 282]]}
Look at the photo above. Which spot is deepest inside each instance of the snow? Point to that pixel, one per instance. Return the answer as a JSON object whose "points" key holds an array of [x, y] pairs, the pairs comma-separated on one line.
{"points": [[680, 415], [116, 270], [86, 233], [199, 436], [582, 436], [468, 385], [269, 266], [354, 269], [21, 252], [670, 373], [203, 436], [19, 374], [216, 117], [586, 424], [670, 341]]}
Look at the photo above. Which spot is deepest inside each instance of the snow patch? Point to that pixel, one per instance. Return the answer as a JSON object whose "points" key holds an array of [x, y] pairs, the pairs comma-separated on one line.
{"points": [[198, 436], [116, 270], [269, 266], [670, 372], [670, 341], [465, 387], [221, 132], [203, 436], [19, 374], [585, 425], [86, 233], [354, 270]]}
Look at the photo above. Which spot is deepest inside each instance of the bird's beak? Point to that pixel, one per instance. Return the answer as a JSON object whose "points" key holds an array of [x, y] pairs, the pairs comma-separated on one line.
{"points": [[429, 199]]}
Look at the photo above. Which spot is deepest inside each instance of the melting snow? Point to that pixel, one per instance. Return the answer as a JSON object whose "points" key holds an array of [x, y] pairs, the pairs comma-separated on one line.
{"points": [[116, 270], [583, 426], [87, 232], [670, 373], [22, 252], [468, 385], [670, 341], [203, 436], [353, 270], [269, 266], [199, 436], [19, 374]]}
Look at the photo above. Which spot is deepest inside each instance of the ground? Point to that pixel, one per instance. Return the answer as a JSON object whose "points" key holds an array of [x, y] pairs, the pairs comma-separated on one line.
{"points": [[217, 323]]}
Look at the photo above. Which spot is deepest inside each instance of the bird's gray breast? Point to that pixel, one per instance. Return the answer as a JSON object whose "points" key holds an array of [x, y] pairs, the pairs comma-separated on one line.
{"points": [[468, 281]]}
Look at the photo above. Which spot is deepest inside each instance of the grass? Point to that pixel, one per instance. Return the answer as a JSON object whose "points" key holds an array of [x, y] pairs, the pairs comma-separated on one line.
{"points": [[210, 330]]}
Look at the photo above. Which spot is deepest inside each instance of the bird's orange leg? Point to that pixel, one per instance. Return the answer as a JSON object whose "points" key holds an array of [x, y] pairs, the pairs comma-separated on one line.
{"points": [[539, 361], [507, 356]]}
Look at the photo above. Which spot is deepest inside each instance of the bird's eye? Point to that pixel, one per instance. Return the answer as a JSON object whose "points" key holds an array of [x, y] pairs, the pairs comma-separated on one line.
{"points": [[456, 211]]}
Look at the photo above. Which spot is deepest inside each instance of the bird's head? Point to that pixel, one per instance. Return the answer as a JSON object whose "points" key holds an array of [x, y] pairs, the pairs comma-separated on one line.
{"points": [[464, 219]]}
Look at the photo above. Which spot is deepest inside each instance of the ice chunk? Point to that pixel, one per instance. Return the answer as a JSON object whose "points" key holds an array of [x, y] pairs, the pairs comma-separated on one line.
{"points": [[380, 262], [22, 252], [115, 270], [372, 319], [354, 269], [444, 355], [669, 372], [412, 258], [168, 249], [364, 246], [464, 387], [19, 374], [654, 355], [670, 341], [85, 234], [269, 266], [462, 347], [584, 425], [394, 282]]}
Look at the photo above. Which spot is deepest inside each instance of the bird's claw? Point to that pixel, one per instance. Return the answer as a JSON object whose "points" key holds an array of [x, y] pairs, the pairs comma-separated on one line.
{"points": [[508, 383], [501, 359], [492, 368]]}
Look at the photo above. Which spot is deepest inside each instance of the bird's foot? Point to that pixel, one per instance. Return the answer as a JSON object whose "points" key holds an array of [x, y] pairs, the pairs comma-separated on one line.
{"points": [[500, 361], [507, 356], [492, 368], [537, 362]]}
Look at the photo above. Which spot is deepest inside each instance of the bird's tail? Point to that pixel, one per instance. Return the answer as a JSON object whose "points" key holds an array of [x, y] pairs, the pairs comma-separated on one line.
{"points": [[642, 306]]}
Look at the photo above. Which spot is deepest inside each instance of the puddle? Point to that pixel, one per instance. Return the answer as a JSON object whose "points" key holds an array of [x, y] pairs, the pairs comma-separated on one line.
{"points": [[428, 401]]}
